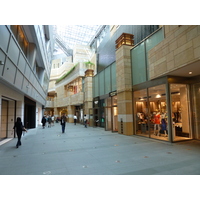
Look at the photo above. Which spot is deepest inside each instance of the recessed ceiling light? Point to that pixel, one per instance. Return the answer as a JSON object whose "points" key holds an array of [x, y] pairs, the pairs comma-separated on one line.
{"points": [[190, 72]]}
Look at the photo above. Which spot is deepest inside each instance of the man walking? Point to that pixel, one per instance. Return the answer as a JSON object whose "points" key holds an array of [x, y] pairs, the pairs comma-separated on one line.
{"points": [[85, 120], [75, 118], [63, 122]]}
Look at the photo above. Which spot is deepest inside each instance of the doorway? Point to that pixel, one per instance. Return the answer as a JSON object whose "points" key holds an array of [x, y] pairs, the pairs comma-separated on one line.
{"points": [[4, 119]]}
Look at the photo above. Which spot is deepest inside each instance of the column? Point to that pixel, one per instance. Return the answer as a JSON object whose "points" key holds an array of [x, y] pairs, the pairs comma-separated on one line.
{"points": [[88, 98], [124, 86]]}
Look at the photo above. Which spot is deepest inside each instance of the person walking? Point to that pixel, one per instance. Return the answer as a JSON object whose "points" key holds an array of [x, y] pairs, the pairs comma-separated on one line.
{"points": [[52, 120], [63, 122], [75, 118], [49, 121], [43, 122], [19, 127], [85, 121]]}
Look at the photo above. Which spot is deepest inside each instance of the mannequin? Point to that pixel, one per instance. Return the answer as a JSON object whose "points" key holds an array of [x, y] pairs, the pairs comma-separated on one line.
{"points": [[164, 126], [157, 123]]}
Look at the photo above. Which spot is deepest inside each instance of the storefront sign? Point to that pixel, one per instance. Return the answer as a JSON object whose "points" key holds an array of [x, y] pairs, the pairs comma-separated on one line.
{"points": [[111, 94]]}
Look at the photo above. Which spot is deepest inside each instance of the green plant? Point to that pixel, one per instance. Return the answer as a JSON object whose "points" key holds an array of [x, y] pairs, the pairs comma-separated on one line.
{"points": [[65, 75], [89, 63]]}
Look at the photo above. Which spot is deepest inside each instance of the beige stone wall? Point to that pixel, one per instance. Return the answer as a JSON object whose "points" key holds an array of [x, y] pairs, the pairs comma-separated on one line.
{"points": [[88, 89], [180, 47], [124, 90]]}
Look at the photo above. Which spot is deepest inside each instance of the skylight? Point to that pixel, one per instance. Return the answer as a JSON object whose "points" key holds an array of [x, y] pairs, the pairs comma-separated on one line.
{"points": [[76, 34]]}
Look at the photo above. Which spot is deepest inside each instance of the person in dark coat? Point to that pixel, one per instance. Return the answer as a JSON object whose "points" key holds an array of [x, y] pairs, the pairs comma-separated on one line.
{"points": [[63, 122], [19, 127], [44, 122]]}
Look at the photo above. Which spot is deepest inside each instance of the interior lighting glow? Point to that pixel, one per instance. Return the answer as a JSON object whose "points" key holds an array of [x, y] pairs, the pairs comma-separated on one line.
{"points": [[158, 96]]}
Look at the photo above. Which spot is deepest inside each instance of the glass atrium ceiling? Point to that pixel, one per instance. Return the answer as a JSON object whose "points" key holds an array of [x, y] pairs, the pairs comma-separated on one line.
{"points": [[76, 34]]}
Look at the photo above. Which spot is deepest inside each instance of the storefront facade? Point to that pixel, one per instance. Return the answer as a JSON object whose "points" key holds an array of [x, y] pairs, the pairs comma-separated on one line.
{"points": [[165, 76], [163, 109]]}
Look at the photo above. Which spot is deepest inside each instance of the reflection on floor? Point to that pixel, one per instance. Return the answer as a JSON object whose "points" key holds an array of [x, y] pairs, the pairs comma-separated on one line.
{"points": [[161, 137]]}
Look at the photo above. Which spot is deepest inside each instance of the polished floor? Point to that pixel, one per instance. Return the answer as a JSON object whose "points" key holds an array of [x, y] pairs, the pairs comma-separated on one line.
{"points": [[93, 151]]}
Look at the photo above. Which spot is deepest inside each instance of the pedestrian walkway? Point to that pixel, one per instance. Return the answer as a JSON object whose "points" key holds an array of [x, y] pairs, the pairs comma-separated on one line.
{"points": [[93, 151]]}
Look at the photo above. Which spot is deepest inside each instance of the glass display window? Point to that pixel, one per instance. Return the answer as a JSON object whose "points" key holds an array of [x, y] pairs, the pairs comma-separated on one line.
{"points": [[153, 115], [141, 112], [158, 117], [150, 111]]}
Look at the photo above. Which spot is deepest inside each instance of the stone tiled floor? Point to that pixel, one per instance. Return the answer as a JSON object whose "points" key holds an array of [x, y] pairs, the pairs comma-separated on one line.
{"points": [[93, 151]]}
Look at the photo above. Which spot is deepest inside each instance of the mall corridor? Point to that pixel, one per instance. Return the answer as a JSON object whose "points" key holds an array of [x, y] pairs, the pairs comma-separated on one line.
{"points": [[93, 151]]}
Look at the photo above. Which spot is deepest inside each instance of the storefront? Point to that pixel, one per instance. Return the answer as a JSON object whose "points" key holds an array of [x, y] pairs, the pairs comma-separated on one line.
{"points": [[162, 110], [98, 115], [111, 112]]}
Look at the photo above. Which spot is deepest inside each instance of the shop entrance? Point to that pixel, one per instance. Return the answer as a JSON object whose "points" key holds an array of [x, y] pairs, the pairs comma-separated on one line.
{"points": [[4, 119], [29, 113], [111, 114], [181, 129]]}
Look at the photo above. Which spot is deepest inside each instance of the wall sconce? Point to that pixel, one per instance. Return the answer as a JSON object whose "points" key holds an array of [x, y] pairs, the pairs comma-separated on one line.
{"points": [[124, 39]]}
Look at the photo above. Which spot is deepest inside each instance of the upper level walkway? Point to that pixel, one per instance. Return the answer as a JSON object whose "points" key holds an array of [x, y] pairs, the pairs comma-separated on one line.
{"points": [[93, 151]]}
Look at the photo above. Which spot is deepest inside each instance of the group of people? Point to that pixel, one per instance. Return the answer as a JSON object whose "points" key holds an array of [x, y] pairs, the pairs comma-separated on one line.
{"points": [[47, 119], [19, 127]]}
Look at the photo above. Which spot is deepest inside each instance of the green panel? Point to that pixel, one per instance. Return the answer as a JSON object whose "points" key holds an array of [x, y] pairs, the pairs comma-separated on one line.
{"points": [[155, 39], [113, 77], [101, 83], [139, 57], [96, 86], [107, 80], [138, 64]]}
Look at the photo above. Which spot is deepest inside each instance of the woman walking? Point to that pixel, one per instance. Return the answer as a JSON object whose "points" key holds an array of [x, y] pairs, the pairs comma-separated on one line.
{"points": [[43, 122], [19, 127]]}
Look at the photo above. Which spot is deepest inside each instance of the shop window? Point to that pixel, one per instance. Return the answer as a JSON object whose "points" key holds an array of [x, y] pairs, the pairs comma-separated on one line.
{"points": [[151, 112], [158, 118], [141, 112]]}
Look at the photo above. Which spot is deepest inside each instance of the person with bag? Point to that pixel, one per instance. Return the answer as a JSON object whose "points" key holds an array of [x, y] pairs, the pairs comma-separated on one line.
{"points": [[63, 122], [19, 127]]}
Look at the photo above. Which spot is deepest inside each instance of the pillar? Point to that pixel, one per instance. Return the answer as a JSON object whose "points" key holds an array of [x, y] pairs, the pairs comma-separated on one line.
{"points": [[124, 90], [88, 98], [71, 112]]}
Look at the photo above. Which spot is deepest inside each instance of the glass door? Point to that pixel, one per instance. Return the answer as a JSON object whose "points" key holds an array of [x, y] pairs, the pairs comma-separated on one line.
{"points": [[181, 129]]}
